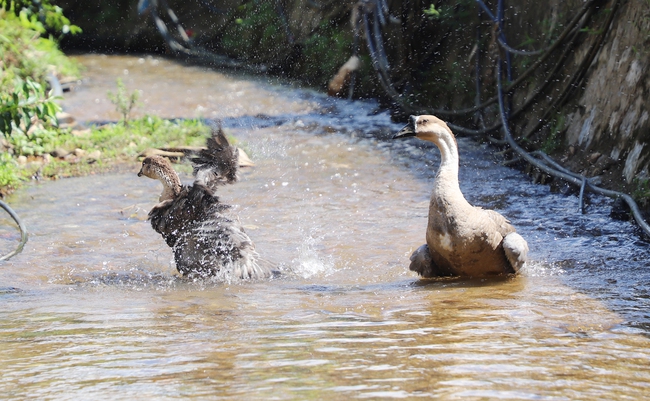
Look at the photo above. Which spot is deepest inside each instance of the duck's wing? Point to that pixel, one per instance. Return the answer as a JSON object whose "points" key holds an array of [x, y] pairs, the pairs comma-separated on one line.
{"points": [[490, 226], [217, 165], [500, 223]]}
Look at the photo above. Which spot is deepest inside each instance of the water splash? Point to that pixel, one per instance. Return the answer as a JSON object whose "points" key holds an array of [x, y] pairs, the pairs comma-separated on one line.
{"points": [[309, 262]]}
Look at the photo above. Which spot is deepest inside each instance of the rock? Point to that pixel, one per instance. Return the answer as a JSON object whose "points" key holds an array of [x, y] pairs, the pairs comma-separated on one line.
{"points": [[34, 164], [620, 210], [594, 157], [79, 152], [59, 153], [22, 160], [94, 156], [80, 132], [47, 158], [65, 118]]}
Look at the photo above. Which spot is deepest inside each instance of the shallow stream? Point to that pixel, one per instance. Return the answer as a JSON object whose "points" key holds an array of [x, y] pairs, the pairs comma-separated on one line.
{"points": [[92, 308]]}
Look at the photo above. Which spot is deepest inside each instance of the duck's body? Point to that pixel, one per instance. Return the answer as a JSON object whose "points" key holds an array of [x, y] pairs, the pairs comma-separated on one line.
{"points": [[462, 240], [206, 241]]}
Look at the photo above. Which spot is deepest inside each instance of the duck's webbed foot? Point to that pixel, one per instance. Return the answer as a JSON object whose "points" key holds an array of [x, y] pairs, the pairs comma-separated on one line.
{"points": [[422, 263], [516, 250]]}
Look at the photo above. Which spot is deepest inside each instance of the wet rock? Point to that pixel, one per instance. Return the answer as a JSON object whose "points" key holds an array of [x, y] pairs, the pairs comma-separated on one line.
{"points": [[620, 210]]}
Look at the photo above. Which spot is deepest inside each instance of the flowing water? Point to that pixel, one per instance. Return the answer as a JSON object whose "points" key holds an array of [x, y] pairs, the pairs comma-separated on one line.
{"points": [[92, 308]]}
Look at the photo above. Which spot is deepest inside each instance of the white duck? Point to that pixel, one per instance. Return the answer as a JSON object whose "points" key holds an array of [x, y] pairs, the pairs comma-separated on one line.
{"points": [[206, 240], [462, 240]]}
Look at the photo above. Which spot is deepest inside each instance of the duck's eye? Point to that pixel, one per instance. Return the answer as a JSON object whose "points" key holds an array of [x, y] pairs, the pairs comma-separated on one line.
{"points": [[424, 121]]}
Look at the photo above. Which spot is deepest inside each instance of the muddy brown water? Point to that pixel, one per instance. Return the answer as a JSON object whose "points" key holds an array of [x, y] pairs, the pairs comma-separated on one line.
{"points": [[92, 308]]}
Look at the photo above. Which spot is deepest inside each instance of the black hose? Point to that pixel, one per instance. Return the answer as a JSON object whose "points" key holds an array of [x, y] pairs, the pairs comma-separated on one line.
{"points": [[572, 178], [21, 226]]}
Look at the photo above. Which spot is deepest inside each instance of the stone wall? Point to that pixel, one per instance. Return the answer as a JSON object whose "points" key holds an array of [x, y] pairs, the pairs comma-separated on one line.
{"points": [[611, 116]]}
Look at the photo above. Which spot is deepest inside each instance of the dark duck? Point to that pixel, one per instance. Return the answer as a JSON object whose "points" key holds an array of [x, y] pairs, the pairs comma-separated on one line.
{"points": [[207, 241]]}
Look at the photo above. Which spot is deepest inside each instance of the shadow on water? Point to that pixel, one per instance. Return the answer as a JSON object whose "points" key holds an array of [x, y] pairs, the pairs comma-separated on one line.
{"points": [[102, 314]]}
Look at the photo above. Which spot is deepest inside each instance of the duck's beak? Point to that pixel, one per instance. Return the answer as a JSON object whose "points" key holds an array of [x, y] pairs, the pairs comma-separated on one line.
{"points": [[140, 173], [408, 130]]}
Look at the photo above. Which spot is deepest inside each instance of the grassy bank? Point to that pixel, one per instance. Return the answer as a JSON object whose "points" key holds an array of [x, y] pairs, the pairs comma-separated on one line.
{"points": [[98, 149]]}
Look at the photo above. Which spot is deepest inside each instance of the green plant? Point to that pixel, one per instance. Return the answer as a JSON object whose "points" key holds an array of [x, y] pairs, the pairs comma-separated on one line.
{"points": [[34, 143], [40, 16], [431, 12], [25, 106], [124, 103], [256, 34], [552, 142], [641, 191], [27, 110], [326, 50], [9, 171], [24, 53], [118, 141]]}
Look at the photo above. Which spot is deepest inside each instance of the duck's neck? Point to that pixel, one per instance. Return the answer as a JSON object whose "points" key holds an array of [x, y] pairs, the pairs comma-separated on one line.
{"points": [[447, 176], [171, 185]]}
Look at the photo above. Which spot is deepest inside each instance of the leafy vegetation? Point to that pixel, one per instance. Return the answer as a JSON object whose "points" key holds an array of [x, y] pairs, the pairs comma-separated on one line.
{"points": [[327, 49], [11, 175], [40, 16], [27, 110], [641, 191], [29, 58], [554, 140], [124, 103], [256, 33]]}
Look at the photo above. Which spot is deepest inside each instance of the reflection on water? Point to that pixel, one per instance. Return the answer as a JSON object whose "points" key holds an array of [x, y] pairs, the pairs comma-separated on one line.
{"points": [[92, 308]]}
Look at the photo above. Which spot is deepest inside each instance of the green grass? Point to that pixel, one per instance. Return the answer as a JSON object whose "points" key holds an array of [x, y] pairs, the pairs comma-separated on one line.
{"points": [[120, 141], [118, 144], [641, 191], [11, 175]]}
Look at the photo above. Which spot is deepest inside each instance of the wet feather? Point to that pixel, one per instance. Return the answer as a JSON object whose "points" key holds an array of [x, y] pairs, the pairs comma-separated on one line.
{"points": [[206, 238]]}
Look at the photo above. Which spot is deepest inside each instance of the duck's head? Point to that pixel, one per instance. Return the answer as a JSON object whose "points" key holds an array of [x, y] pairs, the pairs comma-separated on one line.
{"points": [[154, 167], [428, 128], [159, 168]]}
